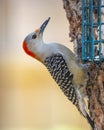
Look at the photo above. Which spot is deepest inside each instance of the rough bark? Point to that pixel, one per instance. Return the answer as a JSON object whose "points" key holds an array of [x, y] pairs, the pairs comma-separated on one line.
{"points": [[95, 81]]}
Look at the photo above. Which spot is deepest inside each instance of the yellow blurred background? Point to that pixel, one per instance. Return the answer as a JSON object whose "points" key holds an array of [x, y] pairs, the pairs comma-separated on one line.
{"points": [[29, 98]]}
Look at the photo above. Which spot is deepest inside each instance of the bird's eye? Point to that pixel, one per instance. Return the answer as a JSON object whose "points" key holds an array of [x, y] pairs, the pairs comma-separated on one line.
{"points": [[34, 36]]}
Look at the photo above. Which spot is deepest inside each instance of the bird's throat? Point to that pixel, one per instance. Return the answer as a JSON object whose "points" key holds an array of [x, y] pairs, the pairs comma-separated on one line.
{"points": [[29, 52]]}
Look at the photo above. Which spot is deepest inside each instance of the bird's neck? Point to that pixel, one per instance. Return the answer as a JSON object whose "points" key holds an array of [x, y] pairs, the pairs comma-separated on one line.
{"points": [[39, 51]]}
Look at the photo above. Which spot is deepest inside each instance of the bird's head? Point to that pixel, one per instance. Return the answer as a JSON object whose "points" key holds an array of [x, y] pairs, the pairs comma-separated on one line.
{"points": [[33, 39]]}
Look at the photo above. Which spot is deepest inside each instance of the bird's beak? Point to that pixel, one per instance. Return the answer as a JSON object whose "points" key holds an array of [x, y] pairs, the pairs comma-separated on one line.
{"points": [[43, 26]]}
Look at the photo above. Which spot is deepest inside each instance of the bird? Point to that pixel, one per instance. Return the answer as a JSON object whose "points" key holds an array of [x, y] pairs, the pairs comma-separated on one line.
{"points": [[62, 65]]}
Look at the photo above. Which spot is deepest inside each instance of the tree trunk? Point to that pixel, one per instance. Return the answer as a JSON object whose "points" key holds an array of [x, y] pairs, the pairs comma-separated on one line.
{"points": [[95, 81]]}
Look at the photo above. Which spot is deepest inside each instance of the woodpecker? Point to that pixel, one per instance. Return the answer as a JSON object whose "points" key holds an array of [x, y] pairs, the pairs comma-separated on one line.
{"points": [[62, 65]]}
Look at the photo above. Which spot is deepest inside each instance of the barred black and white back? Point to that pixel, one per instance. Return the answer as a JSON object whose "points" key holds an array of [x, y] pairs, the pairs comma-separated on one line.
{"points": [[60, 72]]}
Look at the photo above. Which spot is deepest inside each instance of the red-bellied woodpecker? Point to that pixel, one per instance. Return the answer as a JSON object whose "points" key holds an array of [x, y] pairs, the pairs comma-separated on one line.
{"points": [[62, 65]]}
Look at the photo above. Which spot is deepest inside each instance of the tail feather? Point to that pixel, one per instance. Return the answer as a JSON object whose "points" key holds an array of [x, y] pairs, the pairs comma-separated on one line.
{"points": [[82, 108], [90, 121]]}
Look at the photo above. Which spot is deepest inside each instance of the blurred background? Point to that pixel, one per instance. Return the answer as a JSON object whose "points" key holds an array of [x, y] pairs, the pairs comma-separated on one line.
{"points": [[29, 98]]}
